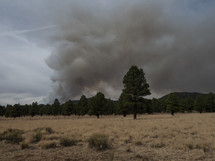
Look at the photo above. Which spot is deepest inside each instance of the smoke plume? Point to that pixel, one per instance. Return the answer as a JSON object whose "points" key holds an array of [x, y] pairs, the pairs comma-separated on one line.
{"points": [[97, 42]]}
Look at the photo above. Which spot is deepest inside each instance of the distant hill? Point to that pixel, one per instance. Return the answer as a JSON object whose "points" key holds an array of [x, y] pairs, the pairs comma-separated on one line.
{"points": [[182, 95]]}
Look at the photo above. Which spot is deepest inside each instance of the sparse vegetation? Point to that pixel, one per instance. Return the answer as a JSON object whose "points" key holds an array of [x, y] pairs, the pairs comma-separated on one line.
{"points": [[150, 137], [99, 141]]}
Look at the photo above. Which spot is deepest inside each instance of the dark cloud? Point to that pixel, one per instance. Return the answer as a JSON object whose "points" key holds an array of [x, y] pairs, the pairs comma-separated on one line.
{"points": [[98, 42]]}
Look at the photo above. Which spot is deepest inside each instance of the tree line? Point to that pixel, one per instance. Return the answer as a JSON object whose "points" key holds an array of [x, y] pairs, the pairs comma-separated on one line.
{"points": [[131, 101], [173, 103], [97, 105]]}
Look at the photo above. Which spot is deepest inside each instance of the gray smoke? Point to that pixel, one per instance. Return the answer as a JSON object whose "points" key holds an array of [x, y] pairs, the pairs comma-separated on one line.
{"points": [[98, 41]]}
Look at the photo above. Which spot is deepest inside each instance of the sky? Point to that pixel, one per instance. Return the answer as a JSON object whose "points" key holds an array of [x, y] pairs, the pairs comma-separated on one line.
{"points": [[63, 49]]}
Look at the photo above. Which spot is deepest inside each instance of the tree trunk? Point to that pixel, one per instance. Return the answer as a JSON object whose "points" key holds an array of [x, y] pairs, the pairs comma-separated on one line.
{"points": [[97, 115], [135, 111], [135, 115], [124, 113]]}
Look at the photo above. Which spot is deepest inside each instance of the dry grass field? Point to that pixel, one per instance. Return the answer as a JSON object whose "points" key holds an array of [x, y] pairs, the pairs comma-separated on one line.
{"points": [[149, 138]]}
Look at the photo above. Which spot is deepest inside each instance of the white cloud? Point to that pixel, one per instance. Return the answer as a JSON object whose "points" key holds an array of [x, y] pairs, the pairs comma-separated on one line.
{"points": [[21, 98]]}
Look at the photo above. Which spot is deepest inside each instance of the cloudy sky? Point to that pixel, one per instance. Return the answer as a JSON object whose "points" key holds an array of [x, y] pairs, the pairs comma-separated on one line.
{"points": [[63, 49]]}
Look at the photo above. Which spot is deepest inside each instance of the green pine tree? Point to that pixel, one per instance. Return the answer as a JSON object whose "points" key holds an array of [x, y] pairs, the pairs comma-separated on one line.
{"points": [[135, 86]]}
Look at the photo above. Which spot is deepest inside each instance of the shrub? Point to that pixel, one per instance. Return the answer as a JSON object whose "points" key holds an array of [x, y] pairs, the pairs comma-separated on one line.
{"points": [[13, 136], [99, 141], [36, 137], [49, 130], [67, 142], [50, 145]]}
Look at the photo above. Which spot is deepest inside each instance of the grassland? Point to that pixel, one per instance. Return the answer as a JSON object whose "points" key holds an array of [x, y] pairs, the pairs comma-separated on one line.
{"points": [[151, 137]]}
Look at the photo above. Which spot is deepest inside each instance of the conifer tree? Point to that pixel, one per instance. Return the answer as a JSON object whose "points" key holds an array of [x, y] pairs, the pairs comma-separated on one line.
{"points": [[135, 86]]}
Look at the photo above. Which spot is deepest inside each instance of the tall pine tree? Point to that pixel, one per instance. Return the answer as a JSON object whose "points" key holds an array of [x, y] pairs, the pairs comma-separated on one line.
{"points": [[135, 86]]}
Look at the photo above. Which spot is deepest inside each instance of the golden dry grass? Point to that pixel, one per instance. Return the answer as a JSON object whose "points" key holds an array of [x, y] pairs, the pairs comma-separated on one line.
{"points": [[151, 137]]}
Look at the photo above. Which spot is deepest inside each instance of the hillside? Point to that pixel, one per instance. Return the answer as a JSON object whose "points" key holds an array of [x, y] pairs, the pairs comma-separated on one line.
{"points": [[182, 95]]}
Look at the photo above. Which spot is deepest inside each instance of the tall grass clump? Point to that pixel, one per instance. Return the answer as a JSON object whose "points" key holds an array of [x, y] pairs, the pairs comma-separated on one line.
{"points": [[99, 141]]}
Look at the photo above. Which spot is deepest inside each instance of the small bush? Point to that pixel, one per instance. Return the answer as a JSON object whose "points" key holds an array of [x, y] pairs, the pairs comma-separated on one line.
{"points": [[67, 142], [36, 137], [24, 146], [13, 136], [99, 141], [50, 145], [49, 130]]}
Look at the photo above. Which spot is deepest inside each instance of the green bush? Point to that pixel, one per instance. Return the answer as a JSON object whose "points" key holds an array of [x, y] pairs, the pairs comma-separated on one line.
{"points": [[36, 137], [13, 136], [99, 141], [50, 145], [67, 142]]}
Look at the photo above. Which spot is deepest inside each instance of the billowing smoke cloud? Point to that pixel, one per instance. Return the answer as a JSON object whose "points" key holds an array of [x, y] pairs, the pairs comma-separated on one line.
{"points": [[97, 42]]}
